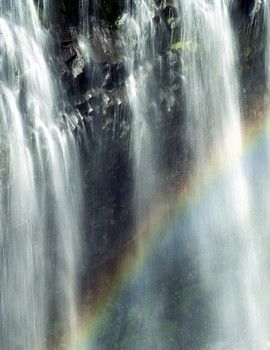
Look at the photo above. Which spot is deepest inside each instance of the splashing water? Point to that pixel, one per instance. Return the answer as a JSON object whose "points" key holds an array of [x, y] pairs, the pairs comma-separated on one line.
{"points": [[40, 191]]}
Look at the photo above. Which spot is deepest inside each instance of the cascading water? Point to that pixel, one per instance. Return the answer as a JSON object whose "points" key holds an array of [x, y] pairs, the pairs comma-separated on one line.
{"points": [[139, 50], [84, 28], [267, 22], [40, 192], [141, 60], [122, 77], [84, 18], [227, 245]]}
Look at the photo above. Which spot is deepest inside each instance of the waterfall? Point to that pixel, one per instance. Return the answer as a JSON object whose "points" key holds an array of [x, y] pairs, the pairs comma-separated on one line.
{"points": [[84, 18], [267, 51], [40, 191], [139, 51], [85, 27], [138, 31], [177, 211], [228, 250]]}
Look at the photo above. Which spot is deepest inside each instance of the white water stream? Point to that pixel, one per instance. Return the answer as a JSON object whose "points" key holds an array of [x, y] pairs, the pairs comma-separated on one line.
{"points": [[229, 244], [40, 191]]}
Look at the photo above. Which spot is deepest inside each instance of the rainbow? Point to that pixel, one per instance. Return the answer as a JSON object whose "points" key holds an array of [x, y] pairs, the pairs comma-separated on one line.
{"points": [[93, 318]]}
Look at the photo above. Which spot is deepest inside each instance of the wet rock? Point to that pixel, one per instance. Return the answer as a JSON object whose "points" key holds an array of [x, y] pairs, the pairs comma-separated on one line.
{"points": [[98, 53], [115, 76], [169, 11], [77, 64], [67, 52], [158, 2], [84, 108]]}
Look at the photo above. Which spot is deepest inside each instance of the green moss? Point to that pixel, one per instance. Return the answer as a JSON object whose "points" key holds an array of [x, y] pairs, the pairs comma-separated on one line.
{"points": [[188, 45], [170, 20]]}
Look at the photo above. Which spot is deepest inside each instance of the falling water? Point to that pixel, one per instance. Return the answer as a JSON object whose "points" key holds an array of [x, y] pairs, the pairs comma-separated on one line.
{"points": [[139, 51], [227, 245], [84, 18], [41, 200], [40, 191], [140, 55], [267, 54], [85, 27]]}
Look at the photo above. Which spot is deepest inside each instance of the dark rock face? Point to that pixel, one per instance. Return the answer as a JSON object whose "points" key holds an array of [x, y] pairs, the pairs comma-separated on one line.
{"points": [[250, 34], [101, 117], [245, 6]]}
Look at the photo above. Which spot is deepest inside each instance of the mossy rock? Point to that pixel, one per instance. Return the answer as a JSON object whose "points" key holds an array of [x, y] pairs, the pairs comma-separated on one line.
{"points": [[188, 45]]}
